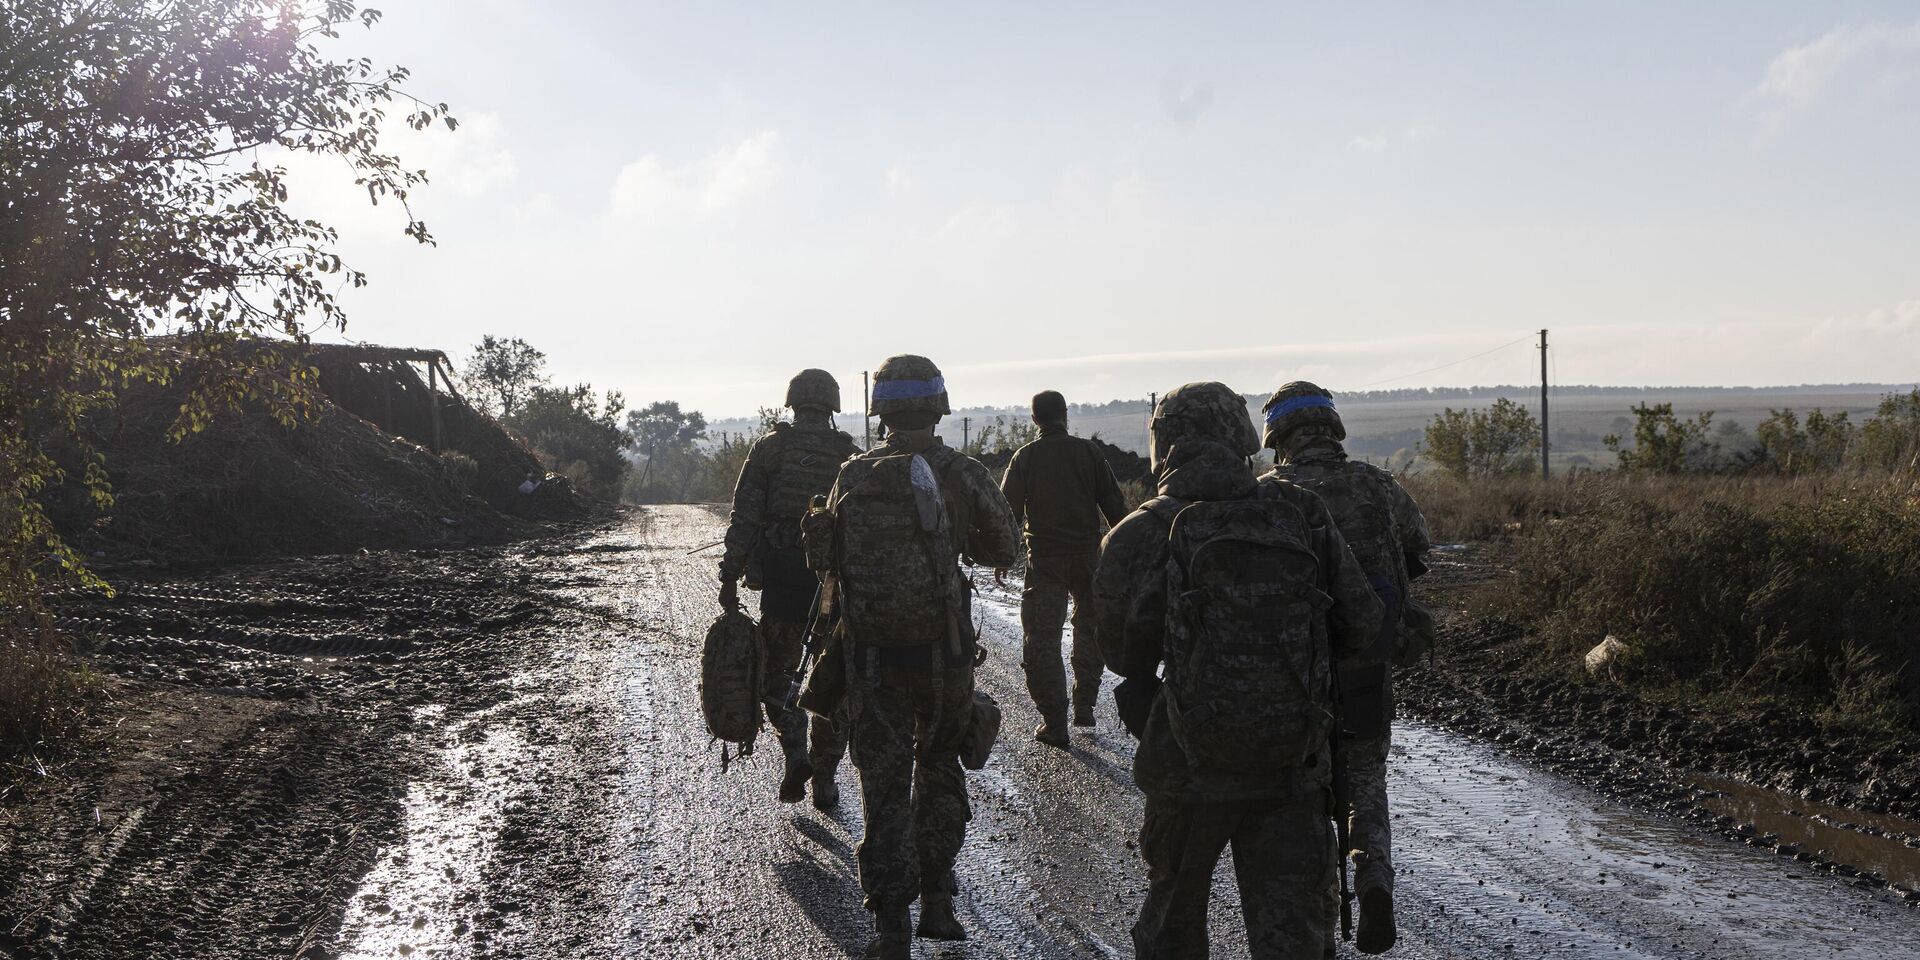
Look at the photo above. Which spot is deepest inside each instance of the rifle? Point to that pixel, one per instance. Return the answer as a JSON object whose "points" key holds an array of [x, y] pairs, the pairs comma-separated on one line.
{"points": [[1342, 830]]}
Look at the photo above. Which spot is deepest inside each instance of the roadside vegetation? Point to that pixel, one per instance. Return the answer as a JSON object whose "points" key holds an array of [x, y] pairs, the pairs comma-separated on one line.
{"points": [[147, 242], [1778, 572]]}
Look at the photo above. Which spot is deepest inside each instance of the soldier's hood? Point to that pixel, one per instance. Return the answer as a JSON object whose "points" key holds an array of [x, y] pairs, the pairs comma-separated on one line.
{"points": [[1202, 469]]}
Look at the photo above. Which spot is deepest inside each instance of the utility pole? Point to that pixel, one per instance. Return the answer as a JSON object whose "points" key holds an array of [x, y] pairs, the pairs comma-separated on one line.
{"points": [[1153, 403], [1545, 471], [966, 432], [866, 412]]}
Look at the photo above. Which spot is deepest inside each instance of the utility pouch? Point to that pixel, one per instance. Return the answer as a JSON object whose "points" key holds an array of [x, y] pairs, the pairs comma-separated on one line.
{"points": [[825, 689], [755, 574], [1365, 713], [983, 729], [1415, 638]]}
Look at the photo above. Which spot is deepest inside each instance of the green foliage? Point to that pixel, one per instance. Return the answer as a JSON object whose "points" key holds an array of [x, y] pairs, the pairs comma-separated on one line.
{"points": [[502, 373], [664, 439], [1662, 442], [1890, 440], [139, 199], [577, 437], [1497, 441], [1819, 445], [1003, 435]]}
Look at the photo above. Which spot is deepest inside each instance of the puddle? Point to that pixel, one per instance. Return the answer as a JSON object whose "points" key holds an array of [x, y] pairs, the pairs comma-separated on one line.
{"points": [[1832, 833]]}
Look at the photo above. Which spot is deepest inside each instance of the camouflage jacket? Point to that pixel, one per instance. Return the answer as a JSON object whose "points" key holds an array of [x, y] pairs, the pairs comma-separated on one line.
{"points": [[1130, 594], [1321, 467], [809, 454]]}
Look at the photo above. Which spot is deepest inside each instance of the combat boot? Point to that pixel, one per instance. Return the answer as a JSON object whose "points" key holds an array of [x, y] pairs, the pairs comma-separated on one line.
{"points": [[793, 743], [892, 936], [1052, 733], [1083, 716], [826, 793], [937, 921], [1375, 933]]}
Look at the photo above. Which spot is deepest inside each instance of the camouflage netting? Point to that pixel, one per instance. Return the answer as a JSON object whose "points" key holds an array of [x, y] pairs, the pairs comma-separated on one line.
{"points": [[361, 474]]}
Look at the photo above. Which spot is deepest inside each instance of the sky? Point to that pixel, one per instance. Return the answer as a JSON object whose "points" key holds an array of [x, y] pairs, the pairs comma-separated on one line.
{"points": [[692, 201]]}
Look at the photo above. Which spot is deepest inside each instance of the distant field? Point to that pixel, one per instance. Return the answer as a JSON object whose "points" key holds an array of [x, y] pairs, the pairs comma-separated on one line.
{"points": [[1381, 428]]}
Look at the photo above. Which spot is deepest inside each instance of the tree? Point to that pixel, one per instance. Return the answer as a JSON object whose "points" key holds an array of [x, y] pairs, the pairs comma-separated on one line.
{"points": [[1662, 442], [138, 202], [1818, 446], [1496, 441], [1890, 439], [502, 372], [577, 438], [662, 428]]}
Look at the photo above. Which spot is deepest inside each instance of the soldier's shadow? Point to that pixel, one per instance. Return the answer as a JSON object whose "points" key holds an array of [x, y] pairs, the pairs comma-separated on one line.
{"points": [[821, 879]]}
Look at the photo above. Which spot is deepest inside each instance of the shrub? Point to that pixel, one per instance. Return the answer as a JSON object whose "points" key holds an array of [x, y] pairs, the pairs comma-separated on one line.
{"points": [[1662, 442], [1493, 442]]}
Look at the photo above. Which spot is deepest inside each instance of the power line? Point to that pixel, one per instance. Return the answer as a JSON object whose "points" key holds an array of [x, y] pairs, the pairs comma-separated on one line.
{"points": [[1417, 373]]}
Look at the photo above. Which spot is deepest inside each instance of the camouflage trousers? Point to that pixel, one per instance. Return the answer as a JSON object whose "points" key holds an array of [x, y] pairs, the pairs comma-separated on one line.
{"points": [[785, 643], [1360, 774], [1051, 582], [1282, 857], [906, 735], [1360, 782]]}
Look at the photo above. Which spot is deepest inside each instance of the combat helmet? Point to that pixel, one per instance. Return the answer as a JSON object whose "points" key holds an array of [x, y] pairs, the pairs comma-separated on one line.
{"points": [[1301, 404], [909, 384], [814, 387], [1206, 409]]}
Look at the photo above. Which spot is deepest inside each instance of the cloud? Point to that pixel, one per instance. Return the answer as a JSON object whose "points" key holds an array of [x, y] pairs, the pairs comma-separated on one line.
{"points": [[1800, 75], [1184, 102], [1380, 140], [727, 179]]}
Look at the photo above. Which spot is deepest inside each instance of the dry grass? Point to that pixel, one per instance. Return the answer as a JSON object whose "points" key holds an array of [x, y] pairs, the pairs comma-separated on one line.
{"points": [[1795, 590], [44, 689]]}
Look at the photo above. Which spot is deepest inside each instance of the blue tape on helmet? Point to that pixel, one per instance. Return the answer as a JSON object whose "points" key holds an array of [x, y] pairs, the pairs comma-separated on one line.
{"points": [[909, 389], [1297, 404]]}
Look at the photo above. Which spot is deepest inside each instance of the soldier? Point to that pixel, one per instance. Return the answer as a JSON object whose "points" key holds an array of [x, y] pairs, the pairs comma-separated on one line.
{"points": [[1388, 536], [1234, 740], [904, 515], [784, 471], [1061, 488]]}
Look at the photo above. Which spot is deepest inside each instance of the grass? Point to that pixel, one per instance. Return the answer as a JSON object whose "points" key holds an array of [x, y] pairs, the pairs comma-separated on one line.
{"points": [[1786, 590], [44, 690]]}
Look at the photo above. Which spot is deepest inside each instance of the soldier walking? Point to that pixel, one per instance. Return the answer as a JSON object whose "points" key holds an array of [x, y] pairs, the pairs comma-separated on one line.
{"points": [[1062, 490], [785, 470], [1388, 536], [903, 517], [1246, 592]]}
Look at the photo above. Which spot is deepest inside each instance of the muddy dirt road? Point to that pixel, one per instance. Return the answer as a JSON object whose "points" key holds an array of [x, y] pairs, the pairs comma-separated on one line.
{"points": [[499, 753]]}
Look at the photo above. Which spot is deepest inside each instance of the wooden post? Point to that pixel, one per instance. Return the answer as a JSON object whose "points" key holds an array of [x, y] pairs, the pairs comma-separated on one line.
{"points": [[1545, 470], [966, 427], [433, 400], [866, 410]]}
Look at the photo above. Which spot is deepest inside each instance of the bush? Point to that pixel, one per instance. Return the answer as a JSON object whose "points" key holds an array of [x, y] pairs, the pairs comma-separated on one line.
{"points": [[1664, 443], [1796, 590], [1494, 442], [576, 438]]}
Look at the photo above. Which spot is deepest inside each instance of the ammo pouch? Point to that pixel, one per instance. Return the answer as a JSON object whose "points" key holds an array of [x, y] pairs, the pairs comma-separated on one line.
{"points": [[1365, 710], [755, 574], [825, 689], [983, 728]]}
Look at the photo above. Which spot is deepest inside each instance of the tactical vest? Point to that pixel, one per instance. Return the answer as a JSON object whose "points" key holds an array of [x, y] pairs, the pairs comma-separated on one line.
{"points": [[805, 464], [895, 529], [1248, 684]]}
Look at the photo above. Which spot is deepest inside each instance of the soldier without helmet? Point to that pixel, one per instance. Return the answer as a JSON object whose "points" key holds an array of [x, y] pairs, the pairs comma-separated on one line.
{"points": [[1061, 488]]}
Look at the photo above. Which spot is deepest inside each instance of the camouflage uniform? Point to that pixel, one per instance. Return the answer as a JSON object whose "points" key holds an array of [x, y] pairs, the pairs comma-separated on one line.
{"points": [[1276, 820], [783, 471], [909, 696], [1062, 489], [1389, 537]]}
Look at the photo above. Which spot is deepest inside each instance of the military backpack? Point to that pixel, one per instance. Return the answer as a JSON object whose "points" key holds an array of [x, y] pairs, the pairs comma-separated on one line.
{"points": [[807, 463], [1248, 672], [1360, 501], [730, 683], [893, 548]]}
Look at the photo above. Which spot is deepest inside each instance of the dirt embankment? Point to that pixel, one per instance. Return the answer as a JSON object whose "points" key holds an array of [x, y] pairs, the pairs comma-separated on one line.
{"points": [[1862, 793]]}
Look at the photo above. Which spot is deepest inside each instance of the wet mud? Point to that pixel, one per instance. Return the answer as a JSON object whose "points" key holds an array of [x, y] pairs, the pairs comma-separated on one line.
{"points": [[498, 753]]}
